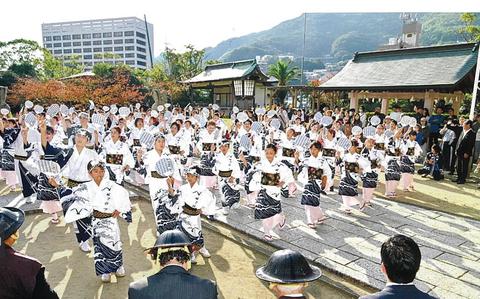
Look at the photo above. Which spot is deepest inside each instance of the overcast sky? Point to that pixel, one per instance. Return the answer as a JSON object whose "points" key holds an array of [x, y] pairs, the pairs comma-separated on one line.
{"points": [[201, 23]]}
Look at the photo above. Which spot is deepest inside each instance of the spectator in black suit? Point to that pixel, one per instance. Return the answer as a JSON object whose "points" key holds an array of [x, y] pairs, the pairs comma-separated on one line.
{"points": [[400, 262], [173, 281], [288, 272], [464, 150]]}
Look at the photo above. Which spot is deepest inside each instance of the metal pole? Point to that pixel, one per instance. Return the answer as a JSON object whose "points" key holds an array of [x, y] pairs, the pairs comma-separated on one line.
{"points": [[303, 56], [148, 41], [475, 84]]}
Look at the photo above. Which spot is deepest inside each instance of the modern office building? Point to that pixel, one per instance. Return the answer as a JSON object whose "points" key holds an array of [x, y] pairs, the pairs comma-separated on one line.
{"points": [[114, 41]]}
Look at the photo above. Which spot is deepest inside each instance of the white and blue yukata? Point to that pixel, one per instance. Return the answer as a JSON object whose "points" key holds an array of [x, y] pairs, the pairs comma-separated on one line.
{"points": [[99, 202]]}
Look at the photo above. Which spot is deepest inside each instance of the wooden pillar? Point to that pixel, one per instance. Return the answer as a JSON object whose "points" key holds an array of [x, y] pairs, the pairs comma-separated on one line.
{"points": [[354, 100], [385, 105], [428, 102], [457, 100]]}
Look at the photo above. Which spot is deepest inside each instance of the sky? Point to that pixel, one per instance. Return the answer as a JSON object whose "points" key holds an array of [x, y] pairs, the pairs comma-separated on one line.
{"points": [[201, 23]]}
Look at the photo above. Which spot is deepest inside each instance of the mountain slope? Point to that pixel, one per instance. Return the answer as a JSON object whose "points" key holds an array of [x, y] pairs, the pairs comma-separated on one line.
{"points": [[338, 35]]}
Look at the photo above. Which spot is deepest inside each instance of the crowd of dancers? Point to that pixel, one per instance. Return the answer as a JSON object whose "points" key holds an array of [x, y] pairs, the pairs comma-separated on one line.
{"points": [[77, 162]]}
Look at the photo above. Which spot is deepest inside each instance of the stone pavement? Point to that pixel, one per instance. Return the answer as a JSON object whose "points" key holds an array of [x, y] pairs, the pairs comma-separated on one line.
{"points": [[349, 245]]}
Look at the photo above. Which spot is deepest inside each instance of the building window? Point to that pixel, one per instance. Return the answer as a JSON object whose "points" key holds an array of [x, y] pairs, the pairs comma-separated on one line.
{"points": [[76, 36], [119, 55], [107, 34], [107, 49], [57, 37], [48, 45], [141, 42], [128, 33], [69, 44], [97, 42], [129, 48], [77, 44], [67, 51], [47, 38], [129, 55], [96, 50], [97, 35], [142, 63], [57, 52], [77, 50], [86, 36], [129, 41], [118, 41], [118, 49], [87, 56], [141, 35], [87, 50], [130, 62], [141, 56], [87, 43], [66, 37], [98, 56], [107, 42], [56, 45], [118, 34], [141, 49]]}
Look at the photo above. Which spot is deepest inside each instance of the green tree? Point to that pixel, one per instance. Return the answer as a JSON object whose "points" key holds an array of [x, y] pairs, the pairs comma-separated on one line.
{"points": [[183, 66], [19, 51], [55, 68], [284, 72], [470, 32], [23, 69]]}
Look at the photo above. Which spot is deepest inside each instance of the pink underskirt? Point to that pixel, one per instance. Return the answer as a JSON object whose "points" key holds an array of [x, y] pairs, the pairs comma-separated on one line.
{"points": [[51, 206]]}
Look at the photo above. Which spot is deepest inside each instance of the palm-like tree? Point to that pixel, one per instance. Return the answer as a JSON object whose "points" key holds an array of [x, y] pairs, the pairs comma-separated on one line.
{"points": [[284, 72]]}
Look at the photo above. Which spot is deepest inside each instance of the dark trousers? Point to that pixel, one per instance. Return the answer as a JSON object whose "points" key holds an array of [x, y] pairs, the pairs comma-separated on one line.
{"points": [[433, 138], [462, 168], [83, 229], [446, 153]]}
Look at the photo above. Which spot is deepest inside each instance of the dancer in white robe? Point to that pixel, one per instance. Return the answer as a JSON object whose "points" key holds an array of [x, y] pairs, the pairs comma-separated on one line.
{"points": [[104, 201]]}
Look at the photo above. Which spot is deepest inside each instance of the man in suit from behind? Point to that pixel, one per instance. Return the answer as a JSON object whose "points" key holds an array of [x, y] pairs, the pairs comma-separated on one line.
{"points": [[173, 281], [400, 262], [465, 145]]}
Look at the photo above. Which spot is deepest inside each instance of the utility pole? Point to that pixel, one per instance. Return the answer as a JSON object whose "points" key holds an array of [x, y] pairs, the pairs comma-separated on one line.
{"points": [[303, 56], [475, 84], [148, 41]]}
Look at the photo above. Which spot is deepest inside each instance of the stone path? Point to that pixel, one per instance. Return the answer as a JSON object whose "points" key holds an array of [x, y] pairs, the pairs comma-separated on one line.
{"points": [[350, 244]]}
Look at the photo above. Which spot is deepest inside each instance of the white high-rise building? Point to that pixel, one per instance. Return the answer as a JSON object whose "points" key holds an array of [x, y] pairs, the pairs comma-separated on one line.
{"points": [[114, 41]]}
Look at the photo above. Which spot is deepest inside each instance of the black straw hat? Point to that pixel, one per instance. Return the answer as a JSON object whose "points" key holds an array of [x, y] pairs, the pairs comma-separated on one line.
{"points": [[10, 221], [288, 266], [170, 238]]}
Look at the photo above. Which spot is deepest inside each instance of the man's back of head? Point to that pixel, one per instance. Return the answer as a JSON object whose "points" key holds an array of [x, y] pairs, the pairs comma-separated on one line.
{"points": [[401, 259]]}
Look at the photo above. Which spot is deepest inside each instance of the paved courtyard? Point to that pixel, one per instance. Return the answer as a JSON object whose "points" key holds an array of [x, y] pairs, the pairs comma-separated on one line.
{"points": [[350, 244]]}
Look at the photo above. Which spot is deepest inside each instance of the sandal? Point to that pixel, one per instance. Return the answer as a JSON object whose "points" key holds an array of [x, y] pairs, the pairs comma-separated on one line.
{"points": [[348, 212], [362, 207], [55, 221], [268, 238], [282, 225], [320, 221], [312, 225]]}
